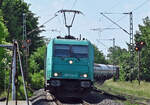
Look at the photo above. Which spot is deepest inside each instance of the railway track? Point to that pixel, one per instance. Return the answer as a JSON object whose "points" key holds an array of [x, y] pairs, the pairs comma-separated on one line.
{"points": [[58, 102], [85, 103], [96, 98], [51, 97]]}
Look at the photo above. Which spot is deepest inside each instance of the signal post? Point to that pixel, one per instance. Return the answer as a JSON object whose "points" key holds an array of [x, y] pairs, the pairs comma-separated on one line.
{"points": [[138, 48]]}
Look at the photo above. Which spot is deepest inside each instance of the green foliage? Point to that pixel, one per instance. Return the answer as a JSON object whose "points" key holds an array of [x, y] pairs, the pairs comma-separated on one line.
{"points": [[20, 90], [144, 35], [12, 11], [3, 56], [36, 67], [3, 34], [37, 80], [140, 93], [13, 16], [115, 55], [37, 60], [121, 57], [98, 56], [125, 71]]}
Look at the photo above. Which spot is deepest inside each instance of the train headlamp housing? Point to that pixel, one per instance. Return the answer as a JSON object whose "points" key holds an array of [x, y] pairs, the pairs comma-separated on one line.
{"points": [[55, 74], [85, 75], [70, 62]]}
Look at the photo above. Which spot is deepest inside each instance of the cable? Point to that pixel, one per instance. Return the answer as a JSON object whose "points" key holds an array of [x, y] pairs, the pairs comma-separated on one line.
{"points": [[132, 11], [49, 19], [114, 6], [102, 43], [140, 5], [116, 22], [74, 4], [42, 24]]}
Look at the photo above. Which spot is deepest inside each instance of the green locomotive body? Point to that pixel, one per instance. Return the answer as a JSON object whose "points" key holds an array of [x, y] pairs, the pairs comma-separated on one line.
{"points": [[69, 67]]}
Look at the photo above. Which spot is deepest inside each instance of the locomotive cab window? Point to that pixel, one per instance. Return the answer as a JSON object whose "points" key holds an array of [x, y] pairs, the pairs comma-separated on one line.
{"points": [[61, 50], [79, 51]]}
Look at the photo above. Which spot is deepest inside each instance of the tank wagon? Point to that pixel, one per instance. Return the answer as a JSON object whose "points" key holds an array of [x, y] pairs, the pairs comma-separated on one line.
{"points": [[103, 72], [69, 67]]}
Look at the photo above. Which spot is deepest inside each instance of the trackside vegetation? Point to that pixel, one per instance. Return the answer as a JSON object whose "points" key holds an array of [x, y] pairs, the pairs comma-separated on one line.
{"points": [[11, 28], [131, 91]]}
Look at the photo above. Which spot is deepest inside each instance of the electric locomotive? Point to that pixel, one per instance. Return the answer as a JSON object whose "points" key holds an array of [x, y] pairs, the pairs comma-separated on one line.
{"points": [[69, 67]]}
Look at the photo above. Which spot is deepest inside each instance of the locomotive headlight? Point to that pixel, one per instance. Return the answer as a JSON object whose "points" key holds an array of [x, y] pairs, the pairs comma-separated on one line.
{"points": [[55, 74], [70, 62], [85, 75]]}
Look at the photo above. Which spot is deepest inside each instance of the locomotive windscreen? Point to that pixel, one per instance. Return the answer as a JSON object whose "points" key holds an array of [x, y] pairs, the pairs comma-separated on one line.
{"points": [[78, 51], [61, 50]]}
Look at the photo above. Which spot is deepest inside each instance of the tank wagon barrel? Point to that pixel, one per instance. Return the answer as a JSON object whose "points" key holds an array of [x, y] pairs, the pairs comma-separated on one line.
{"points": [[103, 72]]}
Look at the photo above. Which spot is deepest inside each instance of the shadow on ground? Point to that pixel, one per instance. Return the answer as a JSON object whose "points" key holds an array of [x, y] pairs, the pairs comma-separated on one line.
{"points": [[91, 98]]}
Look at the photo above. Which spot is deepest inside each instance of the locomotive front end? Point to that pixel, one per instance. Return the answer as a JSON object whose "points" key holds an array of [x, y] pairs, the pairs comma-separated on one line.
{"points": [[69, 68]]}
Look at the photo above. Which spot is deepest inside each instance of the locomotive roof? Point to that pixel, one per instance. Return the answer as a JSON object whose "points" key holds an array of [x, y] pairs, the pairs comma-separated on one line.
{"points": [[69, 41]]}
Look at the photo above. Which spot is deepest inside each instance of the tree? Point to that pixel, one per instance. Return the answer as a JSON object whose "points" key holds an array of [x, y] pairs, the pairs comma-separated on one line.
{"points": [[114, 55], [13, 15], [98, 56], [36, 67], [3, 55], [121, 57], [144, 35]]}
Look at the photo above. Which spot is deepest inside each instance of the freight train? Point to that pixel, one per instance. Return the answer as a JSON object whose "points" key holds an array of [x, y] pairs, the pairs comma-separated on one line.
{"points": [[103, 72], [69, 67]]}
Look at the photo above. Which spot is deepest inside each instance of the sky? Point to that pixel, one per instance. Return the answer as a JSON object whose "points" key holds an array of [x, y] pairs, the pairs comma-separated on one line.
{"points": [[92, 19]]}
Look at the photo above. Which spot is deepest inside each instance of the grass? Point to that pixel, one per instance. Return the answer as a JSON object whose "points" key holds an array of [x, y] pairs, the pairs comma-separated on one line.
{"points": [[138, 93], [4, 94]]}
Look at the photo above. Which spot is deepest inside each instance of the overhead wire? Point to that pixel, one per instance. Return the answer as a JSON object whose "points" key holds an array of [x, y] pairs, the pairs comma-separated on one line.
{"points": [[75, 1], [98, 40], [138, 7], [116, 21], [55, 15], [114, 6], [131, 11], [42, 24]]}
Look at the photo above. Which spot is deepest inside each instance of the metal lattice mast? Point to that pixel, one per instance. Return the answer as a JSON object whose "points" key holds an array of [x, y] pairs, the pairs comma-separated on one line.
{"points": [[131, 34], [24, 27], [131, 47], [26, 50]]}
